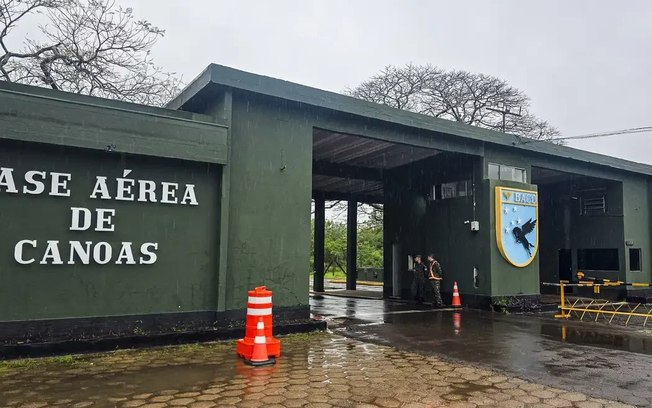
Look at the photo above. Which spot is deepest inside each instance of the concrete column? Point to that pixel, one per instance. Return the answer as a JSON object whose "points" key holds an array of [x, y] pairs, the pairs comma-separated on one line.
{"points": [[320, 225], [352, 245]]}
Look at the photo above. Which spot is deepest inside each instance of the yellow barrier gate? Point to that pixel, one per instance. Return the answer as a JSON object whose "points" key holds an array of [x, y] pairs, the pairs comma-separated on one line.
{"points": [[593, 309]]}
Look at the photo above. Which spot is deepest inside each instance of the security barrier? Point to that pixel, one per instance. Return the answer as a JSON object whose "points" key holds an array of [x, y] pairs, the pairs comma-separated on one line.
{"points": [[584, 308]]}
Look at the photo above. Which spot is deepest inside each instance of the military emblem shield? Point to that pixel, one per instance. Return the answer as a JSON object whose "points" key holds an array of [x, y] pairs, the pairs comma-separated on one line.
{"points": [[517, 228]]}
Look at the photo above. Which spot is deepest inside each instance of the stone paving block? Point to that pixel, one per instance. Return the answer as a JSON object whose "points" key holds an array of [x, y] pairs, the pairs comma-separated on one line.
{"points": [[616, 405], [294, 403], [161, 398], [207, 404], [133, 403], [181, 402], [588, 404], [462, 404], [340, 372], [558, 402], [542, 393], [83, 404], [528, 399], [572, 396]]}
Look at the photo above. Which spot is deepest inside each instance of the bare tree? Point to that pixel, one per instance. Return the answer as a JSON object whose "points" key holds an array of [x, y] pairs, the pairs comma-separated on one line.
{"points": [[455, 95], [91, 47], [371, 214]]}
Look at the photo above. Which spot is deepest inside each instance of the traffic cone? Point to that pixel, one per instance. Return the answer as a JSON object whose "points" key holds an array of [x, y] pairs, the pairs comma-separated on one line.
{"points": [[259, 355], [456, 297], [457, 322], [259, 305]]}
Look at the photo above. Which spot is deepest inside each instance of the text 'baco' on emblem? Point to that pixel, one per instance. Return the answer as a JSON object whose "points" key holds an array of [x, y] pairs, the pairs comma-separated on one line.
{"points": [[517, 225]]}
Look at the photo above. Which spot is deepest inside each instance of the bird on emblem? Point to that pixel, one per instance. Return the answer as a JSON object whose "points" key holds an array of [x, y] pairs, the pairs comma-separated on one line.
{"points": [[520, 233]]}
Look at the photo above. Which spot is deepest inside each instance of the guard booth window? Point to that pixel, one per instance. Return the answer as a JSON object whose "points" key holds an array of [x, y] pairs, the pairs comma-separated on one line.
{"points": [[598, 259], [634, 259], [509, 173], [453, 189]]}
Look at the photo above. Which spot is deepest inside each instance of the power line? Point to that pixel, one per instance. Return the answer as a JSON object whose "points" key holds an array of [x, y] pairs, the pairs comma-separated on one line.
{"points": [[643, 129]]}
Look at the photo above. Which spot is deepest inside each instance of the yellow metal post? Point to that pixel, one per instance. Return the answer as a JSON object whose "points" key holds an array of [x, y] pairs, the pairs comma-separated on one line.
{"points": [[562, 302]]}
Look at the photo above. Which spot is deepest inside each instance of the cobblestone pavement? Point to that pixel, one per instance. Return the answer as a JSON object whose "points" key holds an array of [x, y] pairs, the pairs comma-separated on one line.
{"points": [[317, 370]]}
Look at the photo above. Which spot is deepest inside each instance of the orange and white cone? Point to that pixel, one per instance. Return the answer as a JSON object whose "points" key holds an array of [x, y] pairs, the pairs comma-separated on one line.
{"points": [[456, 297], [457, 322], [259, 356]]}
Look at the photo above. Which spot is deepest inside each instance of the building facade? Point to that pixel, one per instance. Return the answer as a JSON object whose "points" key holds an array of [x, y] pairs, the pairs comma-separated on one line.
{"points": [[121, 219]]}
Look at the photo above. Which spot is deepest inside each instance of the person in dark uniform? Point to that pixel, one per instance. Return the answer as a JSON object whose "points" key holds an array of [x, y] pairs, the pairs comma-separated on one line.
{"points": [[435, 276], [419, 284]]}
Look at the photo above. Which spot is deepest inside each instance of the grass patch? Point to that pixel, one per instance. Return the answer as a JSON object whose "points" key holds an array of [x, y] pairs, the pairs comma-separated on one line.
{"points": [[298, 337], [332, 274], [108, 358], [30, 363], [194, 347]]}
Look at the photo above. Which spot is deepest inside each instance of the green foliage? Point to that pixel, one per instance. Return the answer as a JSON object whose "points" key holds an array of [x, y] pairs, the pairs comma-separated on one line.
{"points": [[370, 243], [370, 246]]}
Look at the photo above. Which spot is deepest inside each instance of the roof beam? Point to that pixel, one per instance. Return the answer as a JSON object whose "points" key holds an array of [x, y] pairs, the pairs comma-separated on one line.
{"points": [[361, 198], [325, 168]]}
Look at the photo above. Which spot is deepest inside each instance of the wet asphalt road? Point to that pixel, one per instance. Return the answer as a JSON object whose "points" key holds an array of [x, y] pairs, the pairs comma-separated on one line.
{"points": [[602, 361]]}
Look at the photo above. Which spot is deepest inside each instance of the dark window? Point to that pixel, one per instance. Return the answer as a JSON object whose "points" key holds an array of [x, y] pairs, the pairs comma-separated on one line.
{"points": [[634, 259], [598, 259], [452, 190]]}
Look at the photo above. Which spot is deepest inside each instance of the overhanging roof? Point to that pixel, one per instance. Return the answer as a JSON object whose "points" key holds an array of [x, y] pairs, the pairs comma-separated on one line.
{"points": [[246, 81], [339, 148], [347, 165]]}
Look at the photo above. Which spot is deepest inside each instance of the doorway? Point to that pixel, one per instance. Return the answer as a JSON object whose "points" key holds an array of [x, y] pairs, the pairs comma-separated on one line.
{"points": [[565, 265]]}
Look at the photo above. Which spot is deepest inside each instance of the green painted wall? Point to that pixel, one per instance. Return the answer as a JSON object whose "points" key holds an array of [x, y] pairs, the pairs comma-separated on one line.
{"points": [[270, 195], [182, 279], [250, 160], [636, 217], [507, 279], [563, 226], [422, 225], [46, 130], [44, 116]]}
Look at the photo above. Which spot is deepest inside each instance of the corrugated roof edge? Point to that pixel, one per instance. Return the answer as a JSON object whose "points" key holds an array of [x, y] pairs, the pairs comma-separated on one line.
{"points": [[234, 78]]}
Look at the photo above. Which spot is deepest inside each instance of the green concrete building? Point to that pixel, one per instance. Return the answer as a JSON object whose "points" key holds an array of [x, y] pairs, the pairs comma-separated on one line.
{"points": [[120, 219]]}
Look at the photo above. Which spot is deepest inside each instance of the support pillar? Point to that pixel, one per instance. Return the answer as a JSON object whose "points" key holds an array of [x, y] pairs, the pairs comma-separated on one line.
{"points": [[320, 225], [352, 245]]}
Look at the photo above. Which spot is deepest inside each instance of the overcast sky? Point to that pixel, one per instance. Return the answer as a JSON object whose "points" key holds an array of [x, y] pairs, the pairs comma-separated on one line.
{"points": [[585, 64]]}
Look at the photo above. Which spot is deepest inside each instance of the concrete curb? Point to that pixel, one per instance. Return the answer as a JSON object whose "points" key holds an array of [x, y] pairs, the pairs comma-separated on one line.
{"points": [[15, 351], [345, 295], [362, 283]]}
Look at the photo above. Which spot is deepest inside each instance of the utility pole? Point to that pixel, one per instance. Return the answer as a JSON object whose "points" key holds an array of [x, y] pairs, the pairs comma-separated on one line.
{"points": [[504, 110]]}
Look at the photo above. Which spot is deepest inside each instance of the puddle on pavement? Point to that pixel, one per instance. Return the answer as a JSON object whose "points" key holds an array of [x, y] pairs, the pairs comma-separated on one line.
{"points": [[158, 371], [402, 322], [333, 368], [188, 377], [468, 388], [599, 337]]}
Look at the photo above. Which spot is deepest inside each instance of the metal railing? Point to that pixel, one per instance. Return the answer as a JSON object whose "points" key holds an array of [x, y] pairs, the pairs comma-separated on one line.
{"points": [[584, 308]]}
